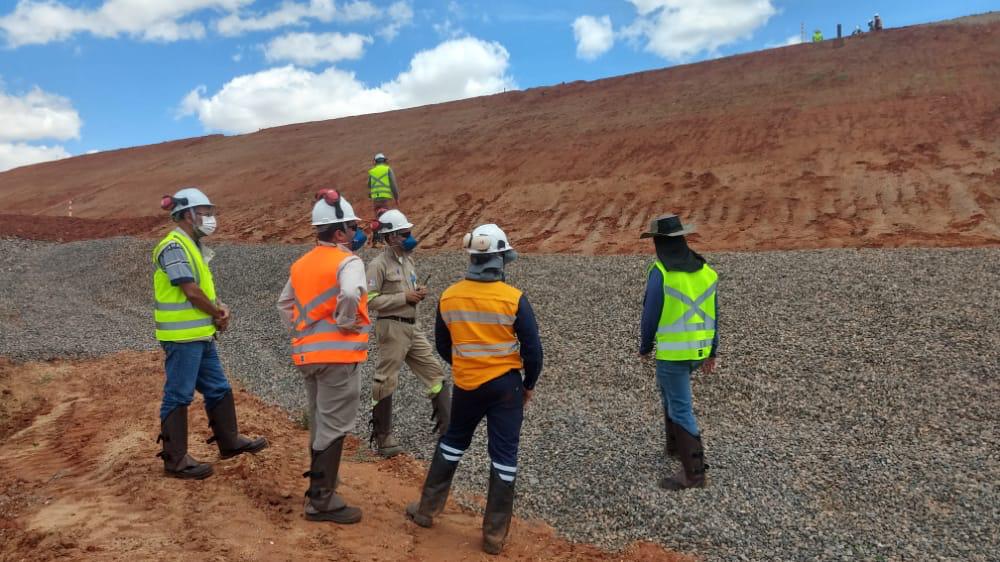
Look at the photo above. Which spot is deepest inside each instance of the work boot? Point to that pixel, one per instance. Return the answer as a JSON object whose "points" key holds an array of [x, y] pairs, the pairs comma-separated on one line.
{"points": [[441, 404], [670, 448], [499, 508], [225, 434], [176, 461], [386, 445], [692, 456], [434, 494], [322, 501]]}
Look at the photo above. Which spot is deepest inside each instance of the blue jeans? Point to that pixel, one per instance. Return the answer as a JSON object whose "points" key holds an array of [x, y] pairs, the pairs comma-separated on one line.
{"points": [[501, 402], [674, 380], [192, 366]]}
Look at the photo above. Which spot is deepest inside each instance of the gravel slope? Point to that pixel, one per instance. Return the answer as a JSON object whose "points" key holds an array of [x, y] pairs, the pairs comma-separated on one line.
{"points": [[854, 414]]}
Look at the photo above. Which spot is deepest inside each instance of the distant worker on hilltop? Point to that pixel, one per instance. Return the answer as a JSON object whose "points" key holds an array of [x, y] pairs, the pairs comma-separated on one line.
{"points": [[817, 36], [878, 22]]}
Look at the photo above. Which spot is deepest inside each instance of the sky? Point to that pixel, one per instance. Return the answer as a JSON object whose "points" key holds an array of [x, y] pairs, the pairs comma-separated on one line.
{"points": [[81, 76]]}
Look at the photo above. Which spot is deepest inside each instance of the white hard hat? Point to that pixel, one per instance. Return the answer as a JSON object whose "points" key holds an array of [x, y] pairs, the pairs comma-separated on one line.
{"points": [[380, 156], [331, 208], [393, 220], [486, 239], [187, 198]]}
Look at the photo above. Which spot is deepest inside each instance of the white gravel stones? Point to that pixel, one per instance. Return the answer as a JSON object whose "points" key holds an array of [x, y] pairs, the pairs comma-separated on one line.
{"points": [[855, 414]]}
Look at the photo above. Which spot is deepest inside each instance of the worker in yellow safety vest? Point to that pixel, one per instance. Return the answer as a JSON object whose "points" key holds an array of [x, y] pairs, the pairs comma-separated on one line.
{"points": [[324, 304], [817, 36], [679, 320], [188, 313], [382, 188]]}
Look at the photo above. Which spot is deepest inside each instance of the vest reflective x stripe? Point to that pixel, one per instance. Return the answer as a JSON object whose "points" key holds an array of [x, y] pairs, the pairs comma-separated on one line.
{"points": [[480, 318], [316, 338], [176, 318], [687, 322], [378, 182]]}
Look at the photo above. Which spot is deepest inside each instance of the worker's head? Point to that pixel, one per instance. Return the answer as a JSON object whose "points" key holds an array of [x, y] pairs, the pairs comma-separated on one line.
{"points": [[335, 220], [380, 158], [191, 210], [397, 231], [489, 251]]}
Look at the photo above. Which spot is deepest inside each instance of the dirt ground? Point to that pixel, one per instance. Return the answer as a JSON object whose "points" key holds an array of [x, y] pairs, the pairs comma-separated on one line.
{"points": [[79, 480], [885, 140]]}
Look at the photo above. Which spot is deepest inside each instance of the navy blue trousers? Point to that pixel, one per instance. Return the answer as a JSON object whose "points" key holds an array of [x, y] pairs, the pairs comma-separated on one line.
{"points": [[501, 402]]}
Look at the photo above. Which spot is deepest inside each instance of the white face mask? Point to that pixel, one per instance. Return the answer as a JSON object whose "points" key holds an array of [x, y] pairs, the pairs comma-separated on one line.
{"points": [[207, 226]]}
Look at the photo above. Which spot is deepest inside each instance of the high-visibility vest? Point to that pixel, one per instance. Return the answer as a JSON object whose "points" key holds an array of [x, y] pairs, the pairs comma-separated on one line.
{"points": [[316, 338], [176, 318], [379, 186], [687, 321], [480, 318]]}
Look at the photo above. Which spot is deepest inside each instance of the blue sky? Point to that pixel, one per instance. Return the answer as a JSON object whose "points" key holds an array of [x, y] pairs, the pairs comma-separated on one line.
{"points": [[85, 75]]}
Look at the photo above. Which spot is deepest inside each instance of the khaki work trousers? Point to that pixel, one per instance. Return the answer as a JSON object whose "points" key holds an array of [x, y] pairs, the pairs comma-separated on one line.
{"points": [[333, 391], [398, 343]]}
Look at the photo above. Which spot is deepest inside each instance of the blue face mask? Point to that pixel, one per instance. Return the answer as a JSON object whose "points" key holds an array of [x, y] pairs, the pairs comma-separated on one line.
{"points": [[359, 240], [409, 243]]}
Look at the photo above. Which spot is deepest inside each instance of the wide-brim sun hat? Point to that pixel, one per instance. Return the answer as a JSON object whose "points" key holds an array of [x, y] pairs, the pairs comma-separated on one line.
{"points": [[667, 225]]}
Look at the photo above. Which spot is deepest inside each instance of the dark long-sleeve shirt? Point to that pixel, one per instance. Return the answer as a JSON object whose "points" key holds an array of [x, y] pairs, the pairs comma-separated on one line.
{"points": [[652, 306], [526, 329]]}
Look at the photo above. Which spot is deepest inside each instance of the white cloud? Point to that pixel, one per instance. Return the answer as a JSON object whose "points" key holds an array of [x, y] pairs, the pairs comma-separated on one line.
{"points": [[680, 29], [454, 69], [594, 36], [308, 49], [37, 115], [297, 13], [791, 40], [400, 15], [43, 21], [13, 155]]}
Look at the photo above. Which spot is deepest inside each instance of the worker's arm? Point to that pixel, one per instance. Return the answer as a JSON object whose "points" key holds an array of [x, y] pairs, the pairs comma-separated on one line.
{"points": [[526, 328], [286, 304], [652, 307], [377, 300], [200, 300], [393, 186], [352, 289], [442, 337], [715, 338]]}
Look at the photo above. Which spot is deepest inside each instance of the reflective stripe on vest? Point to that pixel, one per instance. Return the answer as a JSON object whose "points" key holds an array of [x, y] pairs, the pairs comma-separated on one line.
{"points": [[687, 321], [316, 337], [379, 186], [480, 318], [175, 317]]}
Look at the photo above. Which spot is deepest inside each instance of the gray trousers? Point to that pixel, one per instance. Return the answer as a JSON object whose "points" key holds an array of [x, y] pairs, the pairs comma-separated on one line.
{"points": [[333, 392]]}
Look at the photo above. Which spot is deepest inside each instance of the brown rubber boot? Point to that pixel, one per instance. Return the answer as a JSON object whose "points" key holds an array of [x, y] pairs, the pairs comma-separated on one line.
{"points": [[225, 434], [499, 509], [322, 501], [670, 447], [174, 435], [385, 444], [434, 494], [441, 404], [692, 456]]}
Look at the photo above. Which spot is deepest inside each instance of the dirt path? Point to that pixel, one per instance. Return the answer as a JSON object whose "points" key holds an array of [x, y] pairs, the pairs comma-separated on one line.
{"points": [[79, 480]]}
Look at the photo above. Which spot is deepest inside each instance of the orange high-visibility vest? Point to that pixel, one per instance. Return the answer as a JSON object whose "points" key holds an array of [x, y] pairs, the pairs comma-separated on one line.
{"points": [[480, 318], [316, 338]]}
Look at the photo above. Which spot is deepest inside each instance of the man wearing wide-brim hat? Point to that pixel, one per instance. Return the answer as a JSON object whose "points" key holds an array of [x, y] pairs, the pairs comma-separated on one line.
{"points": [[679, 318]]}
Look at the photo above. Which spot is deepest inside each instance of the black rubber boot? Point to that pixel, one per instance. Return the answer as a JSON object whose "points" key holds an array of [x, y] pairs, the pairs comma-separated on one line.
{"points": [[225, 434], [670, 447], [174, 435], [441, 404], [434, 494], [385, 444], [322, 501], [692, 455], [499, 509]]}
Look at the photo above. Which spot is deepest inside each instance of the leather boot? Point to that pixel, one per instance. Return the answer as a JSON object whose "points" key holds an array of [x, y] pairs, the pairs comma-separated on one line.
{"points": [[385, 444], [176, 461], [434, 494], [499, 508], [441, 414], [225, 434], [322, 501], [670, 448], [692, 455]]}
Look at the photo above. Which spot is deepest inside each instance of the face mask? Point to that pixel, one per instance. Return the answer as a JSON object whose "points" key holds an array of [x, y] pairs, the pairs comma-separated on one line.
{"points": [[207, 226], [359, 240], [409, 243]]}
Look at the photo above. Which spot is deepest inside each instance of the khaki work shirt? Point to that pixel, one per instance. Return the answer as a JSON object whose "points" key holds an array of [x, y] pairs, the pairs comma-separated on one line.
{"points": [[389, 277]]}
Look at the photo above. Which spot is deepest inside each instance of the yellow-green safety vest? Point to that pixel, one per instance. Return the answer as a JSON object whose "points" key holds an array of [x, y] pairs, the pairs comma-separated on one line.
{"points": [[176, 318], [687, 321], [378, 182]]}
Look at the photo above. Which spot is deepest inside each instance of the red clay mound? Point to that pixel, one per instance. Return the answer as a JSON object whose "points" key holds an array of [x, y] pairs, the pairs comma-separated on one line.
{"points": [[890, 139]]}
